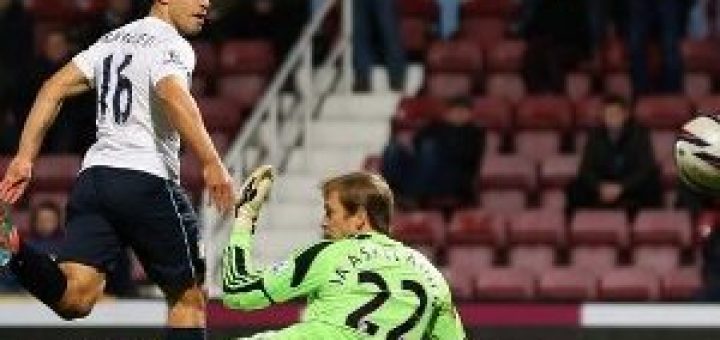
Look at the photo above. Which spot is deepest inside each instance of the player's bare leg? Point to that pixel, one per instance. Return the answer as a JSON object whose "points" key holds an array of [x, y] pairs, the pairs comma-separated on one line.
{"points": [[85, 286], [186, 313]]}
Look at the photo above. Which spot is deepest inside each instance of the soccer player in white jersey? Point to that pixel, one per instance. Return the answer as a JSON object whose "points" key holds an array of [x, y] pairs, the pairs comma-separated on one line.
{"points": [[127, 193]]}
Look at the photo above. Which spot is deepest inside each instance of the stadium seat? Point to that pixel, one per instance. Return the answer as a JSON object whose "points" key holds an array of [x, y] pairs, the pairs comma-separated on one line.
{"points": [[60, 199], [663, 227], [567, 284], [220, 115], [708, 105], [629, 284], [242, 90], [701, 56], [493, 143], [191, 174], [544, 112], [474, 226], [461, 282], [507, 86], [484, 8], [614, 55], [414, 112], [594, 259], [669, 174], [506, 56], [58, 10], [533, 258], [663, 112], [588, 112], [449, 85], [558, 171], [221, 142], [507, 172], [681, 284], [553, 199], [618, 84], [544, 226], [493, 113], [658, 259], [246, 56], [504, 284], [578, 86], [426, 9], [454, 56], [419, 227], [537, 145], [465, 258], [414, 34], [485, 33], [697, 85], [600, 227], [503, 201], [55, 172], [206, 56], [663, 144]]}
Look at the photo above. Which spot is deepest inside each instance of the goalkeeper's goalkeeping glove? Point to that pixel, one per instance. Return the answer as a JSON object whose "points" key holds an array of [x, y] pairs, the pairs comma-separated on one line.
{"points": [[254, 193]]}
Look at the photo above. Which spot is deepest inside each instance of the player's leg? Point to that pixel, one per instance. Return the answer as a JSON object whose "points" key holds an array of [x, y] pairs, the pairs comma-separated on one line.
{"points": [[162, 228]]}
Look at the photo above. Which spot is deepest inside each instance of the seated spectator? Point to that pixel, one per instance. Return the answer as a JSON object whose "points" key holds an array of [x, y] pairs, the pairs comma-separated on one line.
{"points": [[46, 230], [439, 162], [116, 14], [16, 50], [617, 169]]}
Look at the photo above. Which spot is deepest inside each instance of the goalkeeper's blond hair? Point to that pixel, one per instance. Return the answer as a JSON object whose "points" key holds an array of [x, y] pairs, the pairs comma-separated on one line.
{"points": [[363, 190]]}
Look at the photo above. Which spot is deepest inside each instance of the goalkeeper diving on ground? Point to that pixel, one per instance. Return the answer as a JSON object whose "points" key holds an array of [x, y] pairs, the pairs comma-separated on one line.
{"points": [[358, 282]]}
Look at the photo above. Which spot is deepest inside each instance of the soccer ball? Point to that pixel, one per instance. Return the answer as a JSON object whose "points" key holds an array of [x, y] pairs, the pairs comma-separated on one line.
{"points": [[697, 154]]}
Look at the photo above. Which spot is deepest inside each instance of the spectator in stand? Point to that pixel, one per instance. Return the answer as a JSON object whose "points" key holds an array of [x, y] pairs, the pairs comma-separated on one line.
{"points": [[116, 14], [558, 38], [449, 20], [669, 17], [438, 164], [617, 169], [377, 18], [16, 50], [703, 19], [46, 229]]}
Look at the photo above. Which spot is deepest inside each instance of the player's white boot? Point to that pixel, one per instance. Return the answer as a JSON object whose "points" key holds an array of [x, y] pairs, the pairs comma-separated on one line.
{"points": [[9, 240]]}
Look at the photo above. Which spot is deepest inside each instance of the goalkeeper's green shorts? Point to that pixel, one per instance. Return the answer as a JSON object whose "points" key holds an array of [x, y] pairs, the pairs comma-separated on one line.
{"points": [[308, 331]]}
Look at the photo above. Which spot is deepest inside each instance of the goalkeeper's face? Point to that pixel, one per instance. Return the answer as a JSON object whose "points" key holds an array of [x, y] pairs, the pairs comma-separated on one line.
{"points": [[338, 222]]}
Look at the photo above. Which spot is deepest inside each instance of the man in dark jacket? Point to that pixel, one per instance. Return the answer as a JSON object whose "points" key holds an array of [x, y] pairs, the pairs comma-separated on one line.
{"points": [[617, 169]]}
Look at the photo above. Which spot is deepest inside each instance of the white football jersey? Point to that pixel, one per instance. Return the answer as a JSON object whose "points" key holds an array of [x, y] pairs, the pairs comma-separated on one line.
{"points": [[123, 66]]}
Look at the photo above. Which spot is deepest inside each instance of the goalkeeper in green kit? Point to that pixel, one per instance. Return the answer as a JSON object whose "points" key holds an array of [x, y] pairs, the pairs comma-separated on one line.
{"points": [[359, 283]]}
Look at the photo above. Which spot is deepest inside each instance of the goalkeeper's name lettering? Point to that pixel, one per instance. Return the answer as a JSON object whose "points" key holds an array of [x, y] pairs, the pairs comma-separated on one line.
{"points": [[373, 254]]}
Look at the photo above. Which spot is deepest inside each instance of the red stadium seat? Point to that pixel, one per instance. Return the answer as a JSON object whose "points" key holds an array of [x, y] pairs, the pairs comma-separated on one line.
{"points": [[483, 32], [454, 56], [663, 112], [484, 8], [461, 282], [558, 171], [60, 199], [21, 220], [504, 284], [465, 258], [681, 284], [594, 259], [663, 144], [701, 56], [658, 259], [191, 174], [419, 227], [503, 201], [449, 85], [55, 172], [588, 112], [220, 115], [600, 227], [553, 199], [629, 284], [221, 142], [578, 86], [669, 173], [697, 85], [537, 227], [615, 56], [58, 10], [207, 57], [493, 143], [618, 84], [506, 56], [663, 227], [537, 145], [544, 112], [426, 9], [414, 34], [508, 86], [477, 227], [247, 56], [567, 284], [535, 259], [708, 105], [413, 112], [493, 113], [243, 90], [507, 172]]}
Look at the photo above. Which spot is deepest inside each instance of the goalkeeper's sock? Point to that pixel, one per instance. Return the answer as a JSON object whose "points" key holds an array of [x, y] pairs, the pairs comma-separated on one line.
{"points": [[185, 334], [39, 274]]}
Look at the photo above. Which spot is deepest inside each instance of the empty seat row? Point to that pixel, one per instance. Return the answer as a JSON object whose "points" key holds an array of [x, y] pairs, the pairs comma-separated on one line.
{"points": [[586, 227], [429, 10], [234, 56]]}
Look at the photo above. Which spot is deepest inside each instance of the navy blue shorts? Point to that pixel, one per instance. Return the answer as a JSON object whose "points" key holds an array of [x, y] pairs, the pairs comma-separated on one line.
{"points": [[110, 209]]}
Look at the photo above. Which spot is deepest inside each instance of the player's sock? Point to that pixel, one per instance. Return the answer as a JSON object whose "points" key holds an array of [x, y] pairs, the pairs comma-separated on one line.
{"points": [[39, 274], [185, 334]]}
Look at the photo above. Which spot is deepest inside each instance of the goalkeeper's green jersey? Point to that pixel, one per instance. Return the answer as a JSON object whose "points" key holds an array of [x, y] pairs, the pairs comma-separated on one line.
{"points": [[368, 286]]}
